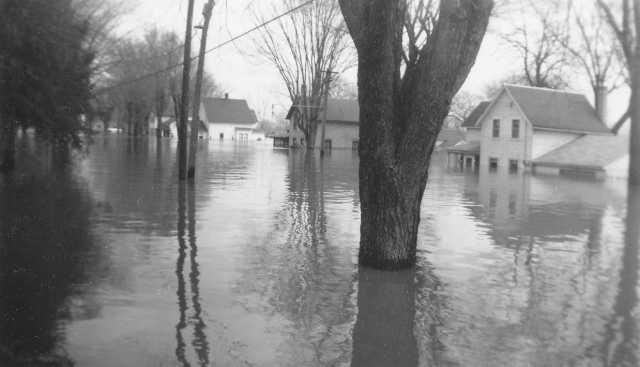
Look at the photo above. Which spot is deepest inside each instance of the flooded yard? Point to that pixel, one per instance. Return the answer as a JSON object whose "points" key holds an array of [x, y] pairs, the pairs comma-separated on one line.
{"points": [[113, 263]]}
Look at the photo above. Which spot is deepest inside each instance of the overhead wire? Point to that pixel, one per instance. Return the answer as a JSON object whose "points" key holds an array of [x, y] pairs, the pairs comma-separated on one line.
{"points": [[220, 45]]}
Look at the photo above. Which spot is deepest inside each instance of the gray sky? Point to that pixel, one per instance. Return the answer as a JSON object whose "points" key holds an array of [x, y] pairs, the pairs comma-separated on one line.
{"points": [[243, 74]]}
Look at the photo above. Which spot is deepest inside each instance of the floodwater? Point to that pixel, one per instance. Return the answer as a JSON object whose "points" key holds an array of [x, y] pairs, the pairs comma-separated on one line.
{"points": [[111, 262]]}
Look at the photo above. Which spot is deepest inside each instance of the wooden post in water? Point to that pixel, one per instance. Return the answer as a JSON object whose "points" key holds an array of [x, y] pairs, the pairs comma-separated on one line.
{"points": [[195, 118], [184, 108]]}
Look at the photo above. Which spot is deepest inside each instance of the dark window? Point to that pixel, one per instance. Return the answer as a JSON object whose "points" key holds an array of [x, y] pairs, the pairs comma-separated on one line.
{"points": [[496, 128], [513, 166], [469, 162], [515, 129], [327, 144], [493, 164]]}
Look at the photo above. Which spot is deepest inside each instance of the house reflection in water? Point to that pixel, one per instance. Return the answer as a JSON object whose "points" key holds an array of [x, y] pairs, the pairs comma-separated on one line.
{"points": [[505, 195]]}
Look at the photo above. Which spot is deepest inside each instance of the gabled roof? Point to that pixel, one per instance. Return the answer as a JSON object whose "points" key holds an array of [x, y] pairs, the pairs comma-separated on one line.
{"points": [[221, 110], [464, 147], [588, 151], [338, 110], [474, 116], [449, 137], [554, 109]]}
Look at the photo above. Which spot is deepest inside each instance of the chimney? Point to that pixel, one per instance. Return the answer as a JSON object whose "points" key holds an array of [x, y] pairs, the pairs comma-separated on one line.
{"points": [[601, 103], [226, 96]]}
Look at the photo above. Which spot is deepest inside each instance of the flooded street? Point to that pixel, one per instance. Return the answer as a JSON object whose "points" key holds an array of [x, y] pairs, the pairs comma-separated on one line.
{"points": [[113, 263]]}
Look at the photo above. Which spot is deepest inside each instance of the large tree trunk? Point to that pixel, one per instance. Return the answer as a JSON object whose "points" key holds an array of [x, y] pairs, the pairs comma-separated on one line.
{"points": [[634, 106], [7, 145], [401, 115]]}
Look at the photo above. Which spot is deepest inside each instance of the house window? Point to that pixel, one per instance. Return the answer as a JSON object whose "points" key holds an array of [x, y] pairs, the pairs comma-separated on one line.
{"points": [[327, 144], [493, 164], [513, 166], [468, 162], [496, 128], [515, 129]]}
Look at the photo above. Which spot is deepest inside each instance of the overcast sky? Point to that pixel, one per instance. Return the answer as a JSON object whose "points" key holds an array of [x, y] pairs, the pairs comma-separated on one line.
{"points": [[243, 74]]}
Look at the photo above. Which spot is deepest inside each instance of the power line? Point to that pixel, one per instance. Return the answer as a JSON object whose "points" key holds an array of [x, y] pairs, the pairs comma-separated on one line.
{"points": [[220, 45]]}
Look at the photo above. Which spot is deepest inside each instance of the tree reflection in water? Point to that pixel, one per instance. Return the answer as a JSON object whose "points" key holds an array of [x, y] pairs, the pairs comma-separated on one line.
{"points": [[621, 345], [46, 249], [186, 208], [383, 333]]}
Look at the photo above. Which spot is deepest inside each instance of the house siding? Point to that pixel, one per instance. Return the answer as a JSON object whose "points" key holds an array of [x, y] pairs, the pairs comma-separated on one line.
{"points": [[504, 147], [229, 130], [473, 134], [342, 135]]}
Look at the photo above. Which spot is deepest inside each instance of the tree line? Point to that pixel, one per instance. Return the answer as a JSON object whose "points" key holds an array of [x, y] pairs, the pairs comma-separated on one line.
{"points": [[63, 66]]}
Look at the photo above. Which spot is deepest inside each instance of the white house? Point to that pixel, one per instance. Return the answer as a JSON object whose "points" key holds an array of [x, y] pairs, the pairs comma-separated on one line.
{"points": [[545, 130], [341, 129], [228, 119], [170, 129]]}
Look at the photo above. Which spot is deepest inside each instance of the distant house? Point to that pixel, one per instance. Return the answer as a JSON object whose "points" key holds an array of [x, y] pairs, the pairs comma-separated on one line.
{"points": [[170, 129], [341, 130], [544, 130], [228, 119]]}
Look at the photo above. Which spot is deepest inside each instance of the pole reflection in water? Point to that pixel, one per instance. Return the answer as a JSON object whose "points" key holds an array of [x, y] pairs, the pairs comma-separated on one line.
{"points": [[383, 333], [187, 211], [622, 345], [200, 342], [181, 291]]}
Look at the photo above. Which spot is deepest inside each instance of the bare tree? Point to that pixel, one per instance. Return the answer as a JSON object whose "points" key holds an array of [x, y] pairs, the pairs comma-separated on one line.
{"points": [[102, 18], [302, 46], [585, 36], [626, 27], [164, 51], [461, 106], [540, 49], [404, 99]]}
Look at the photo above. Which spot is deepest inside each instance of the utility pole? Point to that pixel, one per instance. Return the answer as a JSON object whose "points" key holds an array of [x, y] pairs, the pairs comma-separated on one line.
{"points": [[195, 118], [184, 105], [327, 83]]}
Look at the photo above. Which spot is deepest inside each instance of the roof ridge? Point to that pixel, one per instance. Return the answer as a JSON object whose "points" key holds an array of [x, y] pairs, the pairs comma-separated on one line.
{"points": [[563, 91]]}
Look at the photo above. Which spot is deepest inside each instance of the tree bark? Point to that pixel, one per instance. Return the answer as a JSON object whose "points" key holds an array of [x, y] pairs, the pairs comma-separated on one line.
{"points": [[7, 145], [401, 115]]}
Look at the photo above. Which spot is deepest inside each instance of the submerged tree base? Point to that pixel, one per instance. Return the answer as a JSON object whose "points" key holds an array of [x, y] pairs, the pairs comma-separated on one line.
{"points": [[385, 263]]}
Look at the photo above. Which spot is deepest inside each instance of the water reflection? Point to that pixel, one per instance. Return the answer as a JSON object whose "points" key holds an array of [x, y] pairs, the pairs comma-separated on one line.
{"points": [[46, 247], [200, 343], [512, 269], [621, 346], [305, 275]]}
